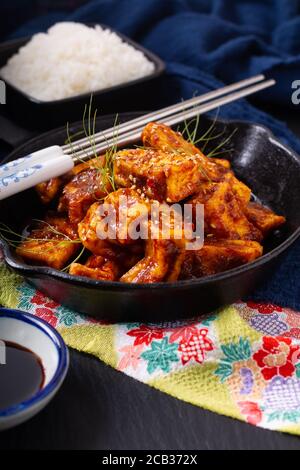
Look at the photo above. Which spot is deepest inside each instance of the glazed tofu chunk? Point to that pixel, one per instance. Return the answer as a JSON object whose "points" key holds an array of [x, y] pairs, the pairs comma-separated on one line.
{"points": [[170, 170], [224, 217], [164, 254], [79, 194], [163, 176], [95, 163], [222, 161], [131, 215], [50, 243], [159, 136], [125, 255], [162, 262], [87, 231], [217, 256], [98, 227], [97, 268], [49, 190], [241, 191], [263, 218]]}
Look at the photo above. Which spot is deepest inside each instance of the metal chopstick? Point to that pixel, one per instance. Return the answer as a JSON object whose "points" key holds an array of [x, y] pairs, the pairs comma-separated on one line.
{"points": [[135, 135], [162, 113]]}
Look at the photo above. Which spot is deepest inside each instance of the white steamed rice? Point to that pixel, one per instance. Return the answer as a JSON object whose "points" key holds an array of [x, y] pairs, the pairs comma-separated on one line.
{"points": [[71, 59]]}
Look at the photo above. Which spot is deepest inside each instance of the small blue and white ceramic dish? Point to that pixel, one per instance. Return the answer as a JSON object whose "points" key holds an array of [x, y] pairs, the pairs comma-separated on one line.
{"points": [[45, 342]]}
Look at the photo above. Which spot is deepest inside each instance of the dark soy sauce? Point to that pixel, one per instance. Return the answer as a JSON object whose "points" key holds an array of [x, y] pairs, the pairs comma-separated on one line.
{"points": [[21, 376]]}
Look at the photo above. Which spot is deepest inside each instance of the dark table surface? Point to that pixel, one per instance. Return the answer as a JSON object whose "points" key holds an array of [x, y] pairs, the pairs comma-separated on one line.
{"points": [[100, 408]]}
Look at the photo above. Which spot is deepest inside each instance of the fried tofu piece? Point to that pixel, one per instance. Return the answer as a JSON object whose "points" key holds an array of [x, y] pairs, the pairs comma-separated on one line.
{"points": [[87, 231], [241, 191], [223, 215], [162, 262], [217, 256], [50, 243], [263, 218], [164, 176], [162, 137], [109, 223], [131, 216], [49, 190], [171, 170], [79, 194], [97, 268], [95, 163], [164, 254], [125, 255], [106, 269], [222, 161]]}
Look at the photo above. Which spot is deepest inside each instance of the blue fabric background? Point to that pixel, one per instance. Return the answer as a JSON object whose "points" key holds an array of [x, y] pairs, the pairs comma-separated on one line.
{"points": [[205, 43]]}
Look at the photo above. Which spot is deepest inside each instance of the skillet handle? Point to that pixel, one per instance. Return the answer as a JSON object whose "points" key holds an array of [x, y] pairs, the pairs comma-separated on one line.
{"points": [[26, 172]]}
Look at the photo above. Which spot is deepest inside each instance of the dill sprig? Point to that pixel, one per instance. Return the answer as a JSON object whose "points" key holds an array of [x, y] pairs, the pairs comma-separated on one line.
{"points": [[108, 168], [89, 128], [7, 233], [190, 135], [215, 152], [190, 132], [105, 167], [66, 268], [69, 139], [53, 230], [207, 136]]}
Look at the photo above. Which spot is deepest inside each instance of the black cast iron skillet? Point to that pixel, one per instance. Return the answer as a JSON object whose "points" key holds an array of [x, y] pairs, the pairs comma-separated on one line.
{"points": [[272, 171]]}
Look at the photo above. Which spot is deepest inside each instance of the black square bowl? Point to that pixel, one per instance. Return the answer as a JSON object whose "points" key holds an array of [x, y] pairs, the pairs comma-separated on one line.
{"points": [[271, 169], [43, 115]]}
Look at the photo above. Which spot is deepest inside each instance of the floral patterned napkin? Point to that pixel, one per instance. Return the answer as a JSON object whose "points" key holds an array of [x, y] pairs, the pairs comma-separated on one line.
{"points": [[242, 361]]}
